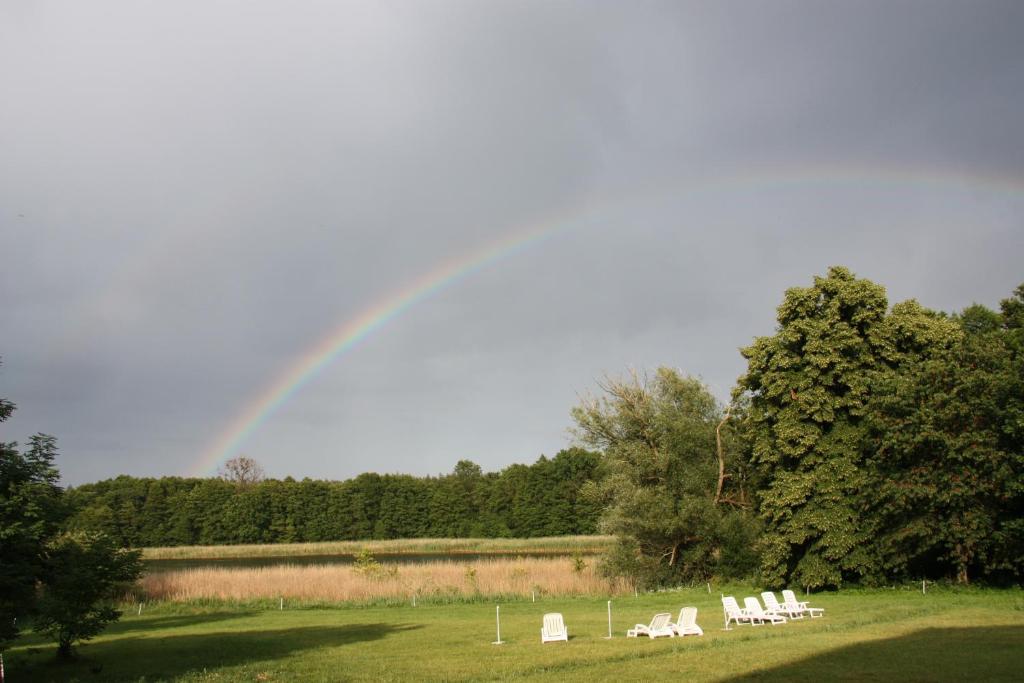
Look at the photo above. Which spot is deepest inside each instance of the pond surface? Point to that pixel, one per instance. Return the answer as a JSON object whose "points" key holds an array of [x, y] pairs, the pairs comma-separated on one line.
{"points": [[152, 566]]}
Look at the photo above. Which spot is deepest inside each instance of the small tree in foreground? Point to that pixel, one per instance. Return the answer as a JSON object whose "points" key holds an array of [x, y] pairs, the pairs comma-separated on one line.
{"points": [[84, 573]]}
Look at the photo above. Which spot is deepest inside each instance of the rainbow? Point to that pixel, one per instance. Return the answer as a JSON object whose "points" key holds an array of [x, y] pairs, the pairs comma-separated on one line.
{"points": [[350, 333]]}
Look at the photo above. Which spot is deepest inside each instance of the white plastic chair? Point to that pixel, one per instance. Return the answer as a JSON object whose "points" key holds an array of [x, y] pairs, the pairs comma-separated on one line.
{"points": [[554, 628], [660, 626]]}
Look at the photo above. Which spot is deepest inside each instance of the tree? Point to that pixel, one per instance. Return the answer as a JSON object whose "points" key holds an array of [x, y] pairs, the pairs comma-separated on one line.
{"points": [[31, 511], [242, 471], [949, 456], [83, 575], [660, 477], [810, 386]]}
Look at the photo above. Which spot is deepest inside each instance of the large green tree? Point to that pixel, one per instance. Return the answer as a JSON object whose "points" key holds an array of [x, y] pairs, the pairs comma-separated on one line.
{"points": [[810, 386], [660, 484], [949, 455]]}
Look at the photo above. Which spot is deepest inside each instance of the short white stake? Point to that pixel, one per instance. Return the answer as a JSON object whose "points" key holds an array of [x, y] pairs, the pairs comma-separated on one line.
{"points": [[609, 620], [140, 609], [413, 599], [497, 616], [282, 605], [709, 588], [534, 595]]}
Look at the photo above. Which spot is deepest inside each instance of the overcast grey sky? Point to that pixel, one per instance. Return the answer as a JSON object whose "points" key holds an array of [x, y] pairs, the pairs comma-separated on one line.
{"points": [[194, 194]]}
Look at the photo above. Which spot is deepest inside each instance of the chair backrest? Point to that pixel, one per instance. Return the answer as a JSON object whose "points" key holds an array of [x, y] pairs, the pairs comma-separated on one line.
{"points": [[752, 605], [660, 621], [730, 604], [790, 597], [553, 623], [688, 616], [770, 602]]}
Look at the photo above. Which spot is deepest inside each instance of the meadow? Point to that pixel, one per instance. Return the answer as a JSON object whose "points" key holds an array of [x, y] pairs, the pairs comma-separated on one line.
{"points": [[437, 581], [895, 634]]}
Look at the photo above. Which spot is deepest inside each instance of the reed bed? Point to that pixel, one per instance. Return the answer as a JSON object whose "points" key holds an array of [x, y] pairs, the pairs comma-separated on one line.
{"points": [[447, 580], [562, 545]]}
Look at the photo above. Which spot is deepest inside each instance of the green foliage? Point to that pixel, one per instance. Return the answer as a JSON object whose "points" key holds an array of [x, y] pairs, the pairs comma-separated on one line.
{"points": [[526, 501], [949, 456], [660, 477], [82, 577], [30, 513], [885, 440]]}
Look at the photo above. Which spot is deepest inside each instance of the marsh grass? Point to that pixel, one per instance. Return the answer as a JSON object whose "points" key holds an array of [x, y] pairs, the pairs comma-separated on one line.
{"points": [[554, 545], [522, 577]]}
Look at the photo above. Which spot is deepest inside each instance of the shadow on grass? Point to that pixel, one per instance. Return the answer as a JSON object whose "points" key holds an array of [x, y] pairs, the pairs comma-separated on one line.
{"points": [[171, 621], [934, 654], [167, 657]]}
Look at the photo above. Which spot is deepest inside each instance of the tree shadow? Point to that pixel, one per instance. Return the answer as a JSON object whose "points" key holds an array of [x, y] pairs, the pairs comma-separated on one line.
{"points": [[167, 657], [171, 621], [934, 654]]}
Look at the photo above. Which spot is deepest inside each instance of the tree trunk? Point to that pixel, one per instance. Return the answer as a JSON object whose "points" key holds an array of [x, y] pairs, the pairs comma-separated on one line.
{"points": [[721, 455], [64, 652]]}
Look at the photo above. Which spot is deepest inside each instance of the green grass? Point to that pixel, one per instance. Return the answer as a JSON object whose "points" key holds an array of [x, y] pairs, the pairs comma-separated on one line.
{"points": [[946, 635], [562, 545]]}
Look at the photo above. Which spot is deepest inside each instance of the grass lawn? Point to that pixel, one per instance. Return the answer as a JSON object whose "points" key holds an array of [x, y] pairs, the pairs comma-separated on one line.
{"points": [[946, 635]]}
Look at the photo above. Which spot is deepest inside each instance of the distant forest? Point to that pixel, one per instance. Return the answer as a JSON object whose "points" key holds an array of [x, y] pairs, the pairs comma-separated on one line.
{"points": [[542, 499]]}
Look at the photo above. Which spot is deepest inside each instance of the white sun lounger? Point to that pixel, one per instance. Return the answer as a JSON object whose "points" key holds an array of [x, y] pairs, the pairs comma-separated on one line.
{"points": [[687, 624], [792, 603], [660, 626], [753, 608], [772, 606], [733, 612]]}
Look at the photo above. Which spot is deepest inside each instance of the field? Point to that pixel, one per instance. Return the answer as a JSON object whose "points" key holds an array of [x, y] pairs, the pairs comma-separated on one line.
{"points": [[437, 581], [946, 635]]}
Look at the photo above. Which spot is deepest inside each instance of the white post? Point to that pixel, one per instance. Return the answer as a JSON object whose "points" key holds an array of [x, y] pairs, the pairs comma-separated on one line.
{"points": [[709, 588], [413, 599], [282, 605], [609, 619], [140, 609], [923, 592], [534, 595], [497, 616]]}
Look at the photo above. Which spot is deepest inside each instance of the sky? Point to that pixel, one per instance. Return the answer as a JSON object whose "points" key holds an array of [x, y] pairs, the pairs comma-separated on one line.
{"points": [[340, 237]]}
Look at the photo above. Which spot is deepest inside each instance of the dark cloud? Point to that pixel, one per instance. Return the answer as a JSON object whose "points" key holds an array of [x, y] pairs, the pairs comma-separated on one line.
{"points": [[192, 195]]}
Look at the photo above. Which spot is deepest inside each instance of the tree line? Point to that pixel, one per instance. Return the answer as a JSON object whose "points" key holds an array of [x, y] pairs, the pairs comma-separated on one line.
{"points": [[542, 499]]}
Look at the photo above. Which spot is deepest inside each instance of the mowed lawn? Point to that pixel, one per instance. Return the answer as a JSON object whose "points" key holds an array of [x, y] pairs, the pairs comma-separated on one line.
{"points": [[946, 635]]}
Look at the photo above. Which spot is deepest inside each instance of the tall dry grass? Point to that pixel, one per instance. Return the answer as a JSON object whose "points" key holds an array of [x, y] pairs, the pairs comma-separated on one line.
{"points": [[345, 583], [567, 545]]}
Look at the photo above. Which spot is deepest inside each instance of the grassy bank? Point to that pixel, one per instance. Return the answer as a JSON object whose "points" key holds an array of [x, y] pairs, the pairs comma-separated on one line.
{"points": [[429, 581], [555, 545], [945, 635]]}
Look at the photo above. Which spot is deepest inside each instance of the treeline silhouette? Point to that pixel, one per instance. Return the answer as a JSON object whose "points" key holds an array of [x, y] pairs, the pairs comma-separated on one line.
{"points": [[521, 501]]}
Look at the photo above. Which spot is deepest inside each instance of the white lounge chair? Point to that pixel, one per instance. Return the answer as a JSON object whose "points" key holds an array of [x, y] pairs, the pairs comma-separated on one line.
{"points": [[660, 626], [687, 624], [753, 608], [791, 602], [554, 628], [733, 612], [772, 606]]}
